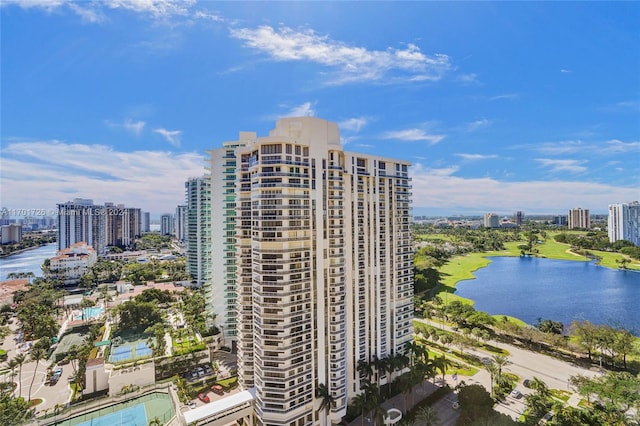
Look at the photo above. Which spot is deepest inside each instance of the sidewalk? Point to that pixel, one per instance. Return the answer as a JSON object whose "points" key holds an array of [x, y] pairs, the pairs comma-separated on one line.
{"points": [[418, 393]]}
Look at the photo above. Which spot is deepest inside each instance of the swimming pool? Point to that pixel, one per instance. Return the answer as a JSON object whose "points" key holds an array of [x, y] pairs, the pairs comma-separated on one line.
{"points": [[89, 313]]}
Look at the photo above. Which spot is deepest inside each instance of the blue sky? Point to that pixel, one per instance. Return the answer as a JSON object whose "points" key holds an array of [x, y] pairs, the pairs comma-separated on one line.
{"points": [[499, 106]]}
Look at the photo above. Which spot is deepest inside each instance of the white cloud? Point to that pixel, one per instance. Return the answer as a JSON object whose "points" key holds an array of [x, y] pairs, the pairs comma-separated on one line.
{"points": [[565, 71], [59, 171], [303, 110], [616, 145], [350, 63], [556, 148], [507, 96], [475, 157], [478, 124], [413, 135], [134, 127], [156, 8], [172, 136], [438, 190], [353, 124], [572, 166], [47, 5], [88, 14]]}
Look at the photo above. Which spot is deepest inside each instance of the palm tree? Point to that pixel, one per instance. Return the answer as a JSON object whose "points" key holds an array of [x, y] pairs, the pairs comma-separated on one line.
{"points": [[364, 367], [12, 366], [442, 363], [493, 372], [20, 358], [361, 403], [428, 415], [328, 401], [37, 355]]}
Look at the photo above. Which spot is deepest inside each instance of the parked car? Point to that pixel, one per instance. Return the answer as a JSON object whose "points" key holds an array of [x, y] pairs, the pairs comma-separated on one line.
{"points": [[191, 404], [516, 393], [55, 376], [526, 383], [200, 371], [217, 389], [208, 369], [203, 397]]}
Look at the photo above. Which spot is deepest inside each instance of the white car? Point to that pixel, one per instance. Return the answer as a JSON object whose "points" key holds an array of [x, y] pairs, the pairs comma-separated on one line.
{"points": [[516, 393]]}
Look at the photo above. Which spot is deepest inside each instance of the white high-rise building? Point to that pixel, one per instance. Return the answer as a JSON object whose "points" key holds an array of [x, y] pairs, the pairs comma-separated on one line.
{"points": [[324, 265], [624, 222], [579, 218], [145, 222], [81, 221], [491, 220], [180, 228], [198, 229], [166, 224], [221, 293]]}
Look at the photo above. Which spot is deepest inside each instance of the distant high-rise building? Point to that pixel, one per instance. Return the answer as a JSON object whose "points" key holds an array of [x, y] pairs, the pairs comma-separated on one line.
{"points": [[624, 222], [166, 224], [11, 234], [145, 222], [560, 220], [324, 265], [81, 221], [518, 217], [579, 218], [122, 225], [491, 220], [180, 228], [198, 229]]}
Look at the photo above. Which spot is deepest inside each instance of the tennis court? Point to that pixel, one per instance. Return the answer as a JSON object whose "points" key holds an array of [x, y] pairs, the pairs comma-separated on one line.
{"points": [[134, 412], [132, 416], [130, 351]]}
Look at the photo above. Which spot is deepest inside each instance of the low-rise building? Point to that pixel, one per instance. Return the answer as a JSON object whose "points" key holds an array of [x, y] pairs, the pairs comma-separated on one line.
{"points": [[71, 263]]}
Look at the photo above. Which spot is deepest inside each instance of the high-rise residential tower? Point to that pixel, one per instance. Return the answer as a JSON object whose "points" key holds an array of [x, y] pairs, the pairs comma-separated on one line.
{"points": [[122, 225], [324, 270], [221, 292], [145, 222], [198, 229], [166, 224], [81, 221], [180, 228], [624, 222], [491, 220], [579, 219]]}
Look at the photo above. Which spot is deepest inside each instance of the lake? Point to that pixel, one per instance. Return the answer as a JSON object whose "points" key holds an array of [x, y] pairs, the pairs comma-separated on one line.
{"points": [[27, 261], [530, 288]]}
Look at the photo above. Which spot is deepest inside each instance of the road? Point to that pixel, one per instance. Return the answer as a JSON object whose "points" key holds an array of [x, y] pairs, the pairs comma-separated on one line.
{"points": [[527, 365]]}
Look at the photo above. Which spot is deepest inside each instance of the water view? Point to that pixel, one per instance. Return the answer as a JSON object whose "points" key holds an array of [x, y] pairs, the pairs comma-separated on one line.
{"points": [[560, 290], [27, 261]]}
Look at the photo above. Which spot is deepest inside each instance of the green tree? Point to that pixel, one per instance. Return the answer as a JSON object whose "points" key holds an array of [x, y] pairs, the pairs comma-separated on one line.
{"points": [[428, 416], [20, 359], [37, 355], [475, 403], [328, 401], [14, 411]]}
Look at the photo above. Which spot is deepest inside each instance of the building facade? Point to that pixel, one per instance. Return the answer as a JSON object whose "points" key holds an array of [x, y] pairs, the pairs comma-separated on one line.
{"points": [[221, 292], [324, 266], [491, 220], [11, 234], [579, 219], [72, 262], [624, 222], [81, 221], [145, 222], [166, 224], [180, 228], [518, 218], [122, 225], [198, 229]]}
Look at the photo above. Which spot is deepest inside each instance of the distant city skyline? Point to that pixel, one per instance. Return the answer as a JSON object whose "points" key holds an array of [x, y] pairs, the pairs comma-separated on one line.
{"points": [[500, 107]]}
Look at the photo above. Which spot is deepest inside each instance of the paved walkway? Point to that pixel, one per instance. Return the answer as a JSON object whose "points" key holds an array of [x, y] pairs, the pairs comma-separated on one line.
{"points": [[404, 402]]}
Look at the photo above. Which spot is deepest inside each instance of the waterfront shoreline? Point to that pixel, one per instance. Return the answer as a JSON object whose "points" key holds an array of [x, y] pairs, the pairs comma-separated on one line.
{"points": [[6, 256]]}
